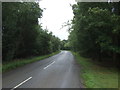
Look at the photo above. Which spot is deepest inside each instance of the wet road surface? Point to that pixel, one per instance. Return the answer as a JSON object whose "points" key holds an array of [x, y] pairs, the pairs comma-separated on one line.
{"points": [[58, 71]]}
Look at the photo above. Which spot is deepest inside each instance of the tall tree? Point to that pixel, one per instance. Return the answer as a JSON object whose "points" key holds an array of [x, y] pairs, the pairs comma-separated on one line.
{"points": [[95, 29], [22, 36]]}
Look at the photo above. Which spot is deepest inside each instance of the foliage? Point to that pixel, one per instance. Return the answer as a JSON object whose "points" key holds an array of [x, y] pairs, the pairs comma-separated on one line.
{"points": [[22, 36], [20, 62], [65, 45], [96, 76], [96, 30]]}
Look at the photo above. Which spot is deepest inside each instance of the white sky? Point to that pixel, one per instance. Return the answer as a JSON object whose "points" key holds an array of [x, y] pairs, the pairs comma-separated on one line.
{"points": [[57, 12]]}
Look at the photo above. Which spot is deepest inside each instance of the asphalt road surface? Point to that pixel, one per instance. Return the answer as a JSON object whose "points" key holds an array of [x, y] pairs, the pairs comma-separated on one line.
{"points": [[58, 71]]}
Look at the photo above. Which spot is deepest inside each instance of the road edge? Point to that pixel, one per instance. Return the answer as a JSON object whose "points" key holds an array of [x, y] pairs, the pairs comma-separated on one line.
{"points": [[21, 62]]}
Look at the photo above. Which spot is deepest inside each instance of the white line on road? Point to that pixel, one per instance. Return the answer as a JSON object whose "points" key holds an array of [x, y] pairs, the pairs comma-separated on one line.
{"points": [[21, 83], [49, 65]]}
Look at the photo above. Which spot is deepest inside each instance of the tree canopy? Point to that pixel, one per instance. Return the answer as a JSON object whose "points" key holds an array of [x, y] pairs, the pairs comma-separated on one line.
{"points": [[95, 29], [22, 36]]}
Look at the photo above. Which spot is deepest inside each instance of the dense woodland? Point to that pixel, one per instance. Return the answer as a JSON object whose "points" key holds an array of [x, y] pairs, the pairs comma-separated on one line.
{"points": [[22, 36], [95, 30]]}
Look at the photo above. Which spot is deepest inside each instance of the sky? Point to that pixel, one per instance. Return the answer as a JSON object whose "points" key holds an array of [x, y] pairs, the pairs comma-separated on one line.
{"points": [[55, 14]]}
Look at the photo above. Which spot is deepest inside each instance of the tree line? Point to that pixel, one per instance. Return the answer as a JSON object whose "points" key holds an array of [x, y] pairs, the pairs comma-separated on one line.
{"points": [[95, 30], [22, 36]]}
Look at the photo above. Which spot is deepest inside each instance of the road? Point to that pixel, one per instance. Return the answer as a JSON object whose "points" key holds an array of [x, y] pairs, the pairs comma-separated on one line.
{"points": [[58, 71]]}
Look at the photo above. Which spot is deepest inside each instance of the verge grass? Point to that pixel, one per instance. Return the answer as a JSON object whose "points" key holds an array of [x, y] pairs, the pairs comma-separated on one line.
{"points": [[95, 76], [20, 62]]}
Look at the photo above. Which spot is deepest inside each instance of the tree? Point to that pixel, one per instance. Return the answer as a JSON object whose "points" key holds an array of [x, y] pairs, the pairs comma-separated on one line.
{"points": [[22, 36], [95, 30]]}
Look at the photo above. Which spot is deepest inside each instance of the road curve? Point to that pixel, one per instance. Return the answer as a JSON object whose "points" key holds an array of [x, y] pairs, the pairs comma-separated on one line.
{"points": [[58, 71]]}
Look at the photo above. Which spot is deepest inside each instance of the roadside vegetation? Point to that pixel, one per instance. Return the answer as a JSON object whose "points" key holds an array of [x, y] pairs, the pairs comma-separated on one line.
{"points": [[95, 31], [20, 62], [23, 37], [96, 76], [95, 39]]}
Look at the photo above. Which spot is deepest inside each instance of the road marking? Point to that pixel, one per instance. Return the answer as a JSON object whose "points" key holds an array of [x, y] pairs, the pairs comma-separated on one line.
{"points": [[21, 83], [49, 65]]}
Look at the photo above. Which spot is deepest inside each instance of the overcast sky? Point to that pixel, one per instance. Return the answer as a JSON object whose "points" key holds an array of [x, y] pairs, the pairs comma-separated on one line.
{"points": [[57, 12]]}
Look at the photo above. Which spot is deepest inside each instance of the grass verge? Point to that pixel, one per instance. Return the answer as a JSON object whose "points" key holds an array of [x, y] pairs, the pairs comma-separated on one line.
{"points": [[95, 76], [20, 62]]}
